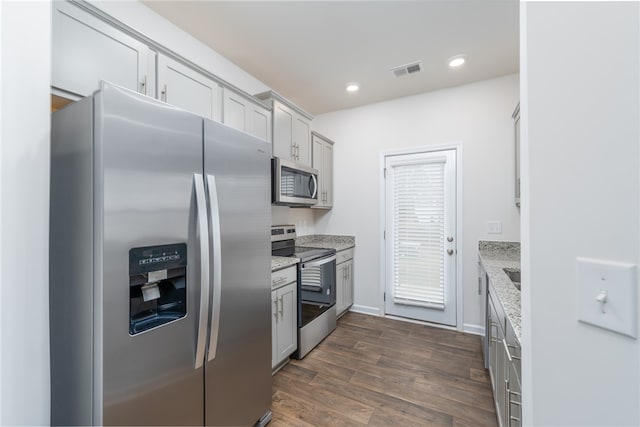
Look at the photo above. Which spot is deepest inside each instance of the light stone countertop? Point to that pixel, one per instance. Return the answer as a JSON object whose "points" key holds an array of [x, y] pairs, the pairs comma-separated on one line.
{"points": [[325, 241], [280, 262], [494, 257]]}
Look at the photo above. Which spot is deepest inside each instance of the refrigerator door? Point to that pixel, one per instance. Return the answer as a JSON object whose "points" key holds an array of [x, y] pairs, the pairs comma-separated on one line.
{"points": [[238, 368], [148, 157]]}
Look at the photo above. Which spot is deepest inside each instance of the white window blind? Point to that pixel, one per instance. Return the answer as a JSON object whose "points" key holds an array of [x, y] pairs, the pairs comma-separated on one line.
{"points": [[418, 235]]}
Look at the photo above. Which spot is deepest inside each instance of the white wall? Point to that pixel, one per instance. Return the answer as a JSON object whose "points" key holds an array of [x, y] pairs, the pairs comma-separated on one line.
{"points": [[478, 115], [581, 105], [25, 82]]}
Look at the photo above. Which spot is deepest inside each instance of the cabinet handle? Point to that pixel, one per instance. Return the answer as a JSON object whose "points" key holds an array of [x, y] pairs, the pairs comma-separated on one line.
{"points": [[513, 356], [164, 93], [281, 307], [280, 280], [492, 336], [506, 399], [275, 313], [143, 85], [479, 286]]}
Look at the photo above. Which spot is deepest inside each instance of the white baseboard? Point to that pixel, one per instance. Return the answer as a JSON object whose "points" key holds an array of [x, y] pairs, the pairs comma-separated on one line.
{"points": [[373, 311], [473, 329]]}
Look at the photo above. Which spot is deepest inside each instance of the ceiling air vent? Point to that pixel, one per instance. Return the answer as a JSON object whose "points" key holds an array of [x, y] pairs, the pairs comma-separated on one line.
{"points": [[405, 70]]}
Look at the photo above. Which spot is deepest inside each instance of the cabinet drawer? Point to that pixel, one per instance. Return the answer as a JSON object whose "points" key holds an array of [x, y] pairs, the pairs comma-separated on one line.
{"points": [[283, 277], [345, 255]]}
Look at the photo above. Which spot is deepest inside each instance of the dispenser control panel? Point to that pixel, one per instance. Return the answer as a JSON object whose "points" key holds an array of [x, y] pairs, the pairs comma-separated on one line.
{"points": [[157, 286]]}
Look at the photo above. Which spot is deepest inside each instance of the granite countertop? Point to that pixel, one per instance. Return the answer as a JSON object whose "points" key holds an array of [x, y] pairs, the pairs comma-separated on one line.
{"points": [[325, 241], [494, 257], [280, 262]]}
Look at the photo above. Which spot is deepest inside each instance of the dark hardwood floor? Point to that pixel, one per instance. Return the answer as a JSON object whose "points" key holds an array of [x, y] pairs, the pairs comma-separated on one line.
{"points": [[381, 372]]}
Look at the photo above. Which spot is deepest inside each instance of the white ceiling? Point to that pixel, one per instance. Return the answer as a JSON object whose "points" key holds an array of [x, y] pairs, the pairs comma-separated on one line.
{"points": [[308, 50]]}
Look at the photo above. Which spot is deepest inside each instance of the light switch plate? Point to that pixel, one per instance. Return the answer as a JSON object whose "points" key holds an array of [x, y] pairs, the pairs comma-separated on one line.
{"points": [[607, 295], [494, 227]]}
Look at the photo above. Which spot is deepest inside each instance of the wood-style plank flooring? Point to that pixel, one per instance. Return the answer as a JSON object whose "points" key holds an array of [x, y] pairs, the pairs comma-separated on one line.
{"points": [[380, 372]]}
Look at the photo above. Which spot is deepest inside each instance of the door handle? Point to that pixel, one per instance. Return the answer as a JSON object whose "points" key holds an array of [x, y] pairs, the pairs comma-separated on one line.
{"points": [[450, 239], [198, 184], [217, 266], [450, 251]]}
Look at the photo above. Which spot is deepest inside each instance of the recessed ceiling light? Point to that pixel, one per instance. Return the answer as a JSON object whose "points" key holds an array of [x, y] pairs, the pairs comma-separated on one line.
{"points": [[457, 61], [352, 87]]}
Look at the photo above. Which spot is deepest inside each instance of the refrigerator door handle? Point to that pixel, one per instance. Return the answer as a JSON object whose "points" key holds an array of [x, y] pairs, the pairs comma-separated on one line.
{"points": [[203, 230], [217, 266]]}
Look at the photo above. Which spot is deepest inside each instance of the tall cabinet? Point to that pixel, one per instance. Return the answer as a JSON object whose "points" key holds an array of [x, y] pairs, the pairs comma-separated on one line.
{"points": [[291, 129], [323, 162]]}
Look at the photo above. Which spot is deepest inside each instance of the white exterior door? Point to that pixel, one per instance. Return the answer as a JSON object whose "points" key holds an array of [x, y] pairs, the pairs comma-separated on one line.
{"points": [[421, 241]]}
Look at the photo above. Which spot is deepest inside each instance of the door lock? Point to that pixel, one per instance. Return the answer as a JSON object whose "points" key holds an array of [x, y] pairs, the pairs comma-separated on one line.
{"points": [[450, 251], [450, 239]]}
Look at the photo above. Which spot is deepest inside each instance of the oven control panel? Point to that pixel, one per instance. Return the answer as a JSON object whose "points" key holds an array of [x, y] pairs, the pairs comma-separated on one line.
{"points": [[282, 232]]}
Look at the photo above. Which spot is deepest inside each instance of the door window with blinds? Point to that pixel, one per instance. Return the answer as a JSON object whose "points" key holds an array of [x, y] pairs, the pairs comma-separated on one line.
{"points": [[420, 236]]}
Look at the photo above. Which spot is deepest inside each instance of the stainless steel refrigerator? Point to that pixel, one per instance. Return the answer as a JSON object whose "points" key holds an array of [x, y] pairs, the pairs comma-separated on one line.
{"points": [[159, 266]]}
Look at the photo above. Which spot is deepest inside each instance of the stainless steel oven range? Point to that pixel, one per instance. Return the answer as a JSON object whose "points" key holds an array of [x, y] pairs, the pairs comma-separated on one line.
{"points": [[316, 287]]}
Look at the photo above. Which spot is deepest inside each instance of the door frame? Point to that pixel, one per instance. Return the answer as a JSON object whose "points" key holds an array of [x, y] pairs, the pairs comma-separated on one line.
{"points": [[457, 147]]}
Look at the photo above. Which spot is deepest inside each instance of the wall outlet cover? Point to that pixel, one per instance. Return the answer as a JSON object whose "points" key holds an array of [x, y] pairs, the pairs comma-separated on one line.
{"points": [[494, 227], [607, 295]]}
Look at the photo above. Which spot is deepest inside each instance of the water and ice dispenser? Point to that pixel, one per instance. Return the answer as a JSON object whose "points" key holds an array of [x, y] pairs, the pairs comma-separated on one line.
{"points": [[157, 286]]}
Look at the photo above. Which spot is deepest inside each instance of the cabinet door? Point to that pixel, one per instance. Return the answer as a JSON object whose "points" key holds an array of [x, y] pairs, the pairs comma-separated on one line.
{"points": [[341, 279], [349, 285], [287, 328], [274, 328], [234, 111], [259, 122], [283, 119], [86, 50], [327, 174], [302, 140], [184, 87]]}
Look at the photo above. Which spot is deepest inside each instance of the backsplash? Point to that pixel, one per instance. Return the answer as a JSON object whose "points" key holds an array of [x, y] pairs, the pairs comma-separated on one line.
{"points": [[302, 218]]}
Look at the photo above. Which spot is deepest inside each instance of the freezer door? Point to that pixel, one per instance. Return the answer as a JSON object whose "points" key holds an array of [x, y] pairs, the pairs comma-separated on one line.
{"points": [[148, 156], [238, 369]]}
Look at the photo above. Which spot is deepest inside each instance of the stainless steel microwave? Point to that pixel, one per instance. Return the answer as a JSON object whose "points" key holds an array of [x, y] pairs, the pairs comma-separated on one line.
{"points": [[293, 184]]}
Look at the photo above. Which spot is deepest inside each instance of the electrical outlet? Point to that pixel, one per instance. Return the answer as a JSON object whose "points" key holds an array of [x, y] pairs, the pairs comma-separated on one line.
{"points": [[494, 227]]}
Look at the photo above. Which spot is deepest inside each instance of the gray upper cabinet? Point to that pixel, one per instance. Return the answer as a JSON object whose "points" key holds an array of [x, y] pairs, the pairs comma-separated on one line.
{"points": [[246, 115], [188, 89], [89, 46], [323, 162], [87, 50], [291, 129]]}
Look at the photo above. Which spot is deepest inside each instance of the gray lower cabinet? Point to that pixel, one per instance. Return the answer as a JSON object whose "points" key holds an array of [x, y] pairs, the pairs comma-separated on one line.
{"points": [[344, 281], [86, 50], [284, 337], [504, 363]]}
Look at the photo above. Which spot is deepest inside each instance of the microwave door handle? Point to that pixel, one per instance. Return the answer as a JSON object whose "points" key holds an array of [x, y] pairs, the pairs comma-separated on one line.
{"points": [[314, 191], [323, 261]]}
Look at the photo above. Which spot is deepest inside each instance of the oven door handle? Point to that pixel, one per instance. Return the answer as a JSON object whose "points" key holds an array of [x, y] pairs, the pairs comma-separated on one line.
{"points": [[320, 262]]}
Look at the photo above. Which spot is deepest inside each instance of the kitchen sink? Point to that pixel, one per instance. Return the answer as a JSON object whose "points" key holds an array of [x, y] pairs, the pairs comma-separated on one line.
{"points": [[514, 275]]}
